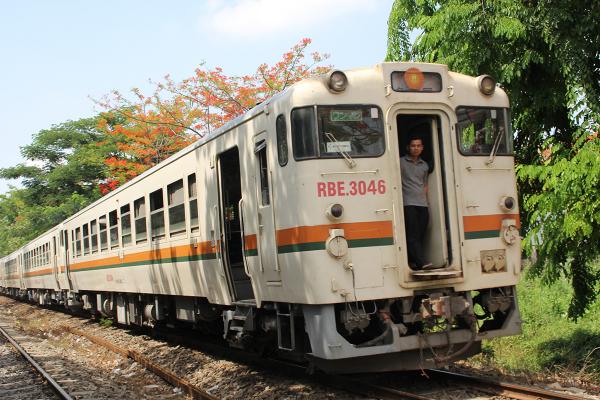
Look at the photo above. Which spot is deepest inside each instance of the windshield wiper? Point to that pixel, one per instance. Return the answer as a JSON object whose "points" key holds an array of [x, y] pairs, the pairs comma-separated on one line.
{"points": [[351, 163], [495, 146]]}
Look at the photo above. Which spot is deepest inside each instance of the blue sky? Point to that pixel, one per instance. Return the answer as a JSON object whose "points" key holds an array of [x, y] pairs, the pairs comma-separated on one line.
{"points": [[57, 54]]}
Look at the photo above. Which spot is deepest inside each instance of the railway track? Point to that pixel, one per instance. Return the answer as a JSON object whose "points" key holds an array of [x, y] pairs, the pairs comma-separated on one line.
{"points": [[173, 379], [22, 377], [70, 380], [19, 379], [451, 385], [432, 385], [437, 384]]}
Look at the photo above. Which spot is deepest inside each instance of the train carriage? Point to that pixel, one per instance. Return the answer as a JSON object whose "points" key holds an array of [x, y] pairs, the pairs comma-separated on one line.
{"points": [[285, 228]]}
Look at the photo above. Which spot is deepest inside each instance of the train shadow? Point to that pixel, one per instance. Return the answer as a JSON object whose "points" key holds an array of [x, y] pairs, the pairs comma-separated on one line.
{"points": [[580, 351]]}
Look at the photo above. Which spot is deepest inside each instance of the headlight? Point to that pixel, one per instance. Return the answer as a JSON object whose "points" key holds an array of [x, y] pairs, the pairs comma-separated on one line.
{"points": [[486, 84], [335, 211], [507, 203], [337, 81]]}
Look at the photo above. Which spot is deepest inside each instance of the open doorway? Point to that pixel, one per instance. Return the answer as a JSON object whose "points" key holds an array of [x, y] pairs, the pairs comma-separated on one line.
{"points": [[437, 244], [231, 241]]}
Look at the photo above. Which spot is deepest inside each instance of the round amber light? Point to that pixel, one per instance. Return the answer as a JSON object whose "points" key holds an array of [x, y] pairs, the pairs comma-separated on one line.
{"points": [[414, 79]]}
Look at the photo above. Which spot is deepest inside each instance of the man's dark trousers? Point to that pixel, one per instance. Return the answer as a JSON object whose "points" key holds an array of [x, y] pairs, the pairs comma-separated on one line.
{"points": [[416, 219]]}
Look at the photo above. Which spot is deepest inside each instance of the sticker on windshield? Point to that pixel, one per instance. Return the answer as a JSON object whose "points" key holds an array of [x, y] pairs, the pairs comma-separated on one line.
{"points": [[345, 115], [374, 113], [338, 147]]}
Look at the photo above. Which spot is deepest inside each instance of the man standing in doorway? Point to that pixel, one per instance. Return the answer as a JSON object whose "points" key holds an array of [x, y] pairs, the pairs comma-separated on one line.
{"points": [[415, 173]]}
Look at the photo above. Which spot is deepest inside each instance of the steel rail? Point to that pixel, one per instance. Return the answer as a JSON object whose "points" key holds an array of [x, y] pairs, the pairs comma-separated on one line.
{"points": [[53, 384], [165, 374], [512, 390]]}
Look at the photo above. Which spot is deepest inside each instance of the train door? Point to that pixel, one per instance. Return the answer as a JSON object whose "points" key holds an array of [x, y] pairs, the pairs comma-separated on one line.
{"points": [[64, 277], [54, 262], [230, 194], [267, 245], [437, 243], [21, 269]]}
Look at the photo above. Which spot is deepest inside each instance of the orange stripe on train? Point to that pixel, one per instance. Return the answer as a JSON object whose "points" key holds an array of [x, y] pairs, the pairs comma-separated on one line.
{"points": [[475, 223], [167, 252], [320, 233]]}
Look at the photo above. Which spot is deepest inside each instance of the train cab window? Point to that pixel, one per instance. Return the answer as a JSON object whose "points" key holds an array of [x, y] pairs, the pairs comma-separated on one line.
{"points": [[86, 239], [113, 225], [176, 208], [193, 201], [157, 215], [78, 241], [343, 131], [483, 131], [103, 233], [126, 225], [282, 147], [304, 139], [354, 130], [94, 236], [261, 153], [139, 213]]}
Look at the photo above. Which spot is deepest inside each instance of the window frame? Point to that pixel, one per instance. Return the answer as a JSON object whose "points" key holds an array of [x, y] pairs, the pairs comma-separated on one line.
{"points": [[190, 199], [508, 127], [282, 135], [140, 217], [123, 217], [105, 231], [318, 126], [117, 244], [171, 206], [155, 212]]}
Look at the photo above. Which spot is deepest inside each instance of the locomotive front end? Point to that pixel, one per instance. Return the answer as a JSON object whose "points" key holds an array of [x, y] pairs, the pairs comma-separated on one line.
{"points": [[367, 303]]}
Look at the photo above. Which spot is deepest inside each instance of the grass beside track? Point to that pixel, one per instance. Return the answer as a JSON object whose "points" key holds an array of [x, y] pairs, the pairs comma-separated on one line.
{"points": [[551, 344]]}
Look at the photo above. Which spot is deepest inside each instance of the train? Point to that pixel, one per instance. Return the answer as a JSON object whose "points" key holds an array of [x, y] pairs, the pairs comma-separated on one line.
{"points": [[283, 230]]}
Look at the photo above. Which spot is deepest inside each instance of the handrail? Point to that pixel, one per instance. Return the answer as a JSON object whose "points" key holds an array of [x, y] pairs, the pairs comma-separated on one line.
{"points": [[243, 235], [218, 240]]}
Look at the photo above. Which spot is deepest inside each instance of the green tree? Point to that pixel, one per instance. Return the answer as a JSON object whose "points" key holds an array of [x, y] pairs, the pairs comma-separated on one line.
{"points": [[66, 164], [546, 54]]}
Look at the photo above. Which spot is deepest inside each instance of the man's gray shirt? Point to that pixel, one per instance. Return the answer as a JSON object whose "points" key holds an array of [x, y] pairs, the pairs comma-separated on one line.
{"points": [[414, 180]]}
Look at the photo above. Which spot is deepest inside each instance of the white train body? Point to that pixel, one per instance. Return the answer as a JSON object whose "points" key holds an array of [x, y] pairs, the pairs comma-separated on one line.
{"points": [[242, 227]]}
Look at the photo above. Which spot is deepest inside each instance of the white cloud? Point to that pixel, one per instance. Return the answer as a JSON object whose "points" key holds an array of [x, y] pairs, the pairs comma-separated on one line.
{"points": [[251, 19]]}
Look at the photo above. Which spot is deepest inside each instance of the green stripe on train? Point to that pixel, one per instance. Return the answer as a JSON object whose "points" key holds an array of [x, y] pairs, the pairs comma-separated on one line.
{"points": [[312, 246], [168, 260], [482, 234]]}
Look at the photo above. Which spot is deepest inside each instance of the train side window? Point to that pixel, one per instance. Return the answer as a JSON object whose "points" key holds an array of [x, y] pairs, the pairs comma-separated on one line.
{"points": [[74, 244], [113, 224], [304, 133], [282, 147], [94, 235], [78, 241], [126, 225], [261, 153], [86, 239], [103, 233], [157, 215], [139, 214], [193, 201], [176, 208]]}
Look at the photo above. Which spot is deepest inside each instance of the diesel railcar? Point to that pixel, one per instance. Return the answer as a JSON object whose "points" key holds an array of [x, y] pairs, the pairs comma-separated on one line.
{"points": [[284, 229]]}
